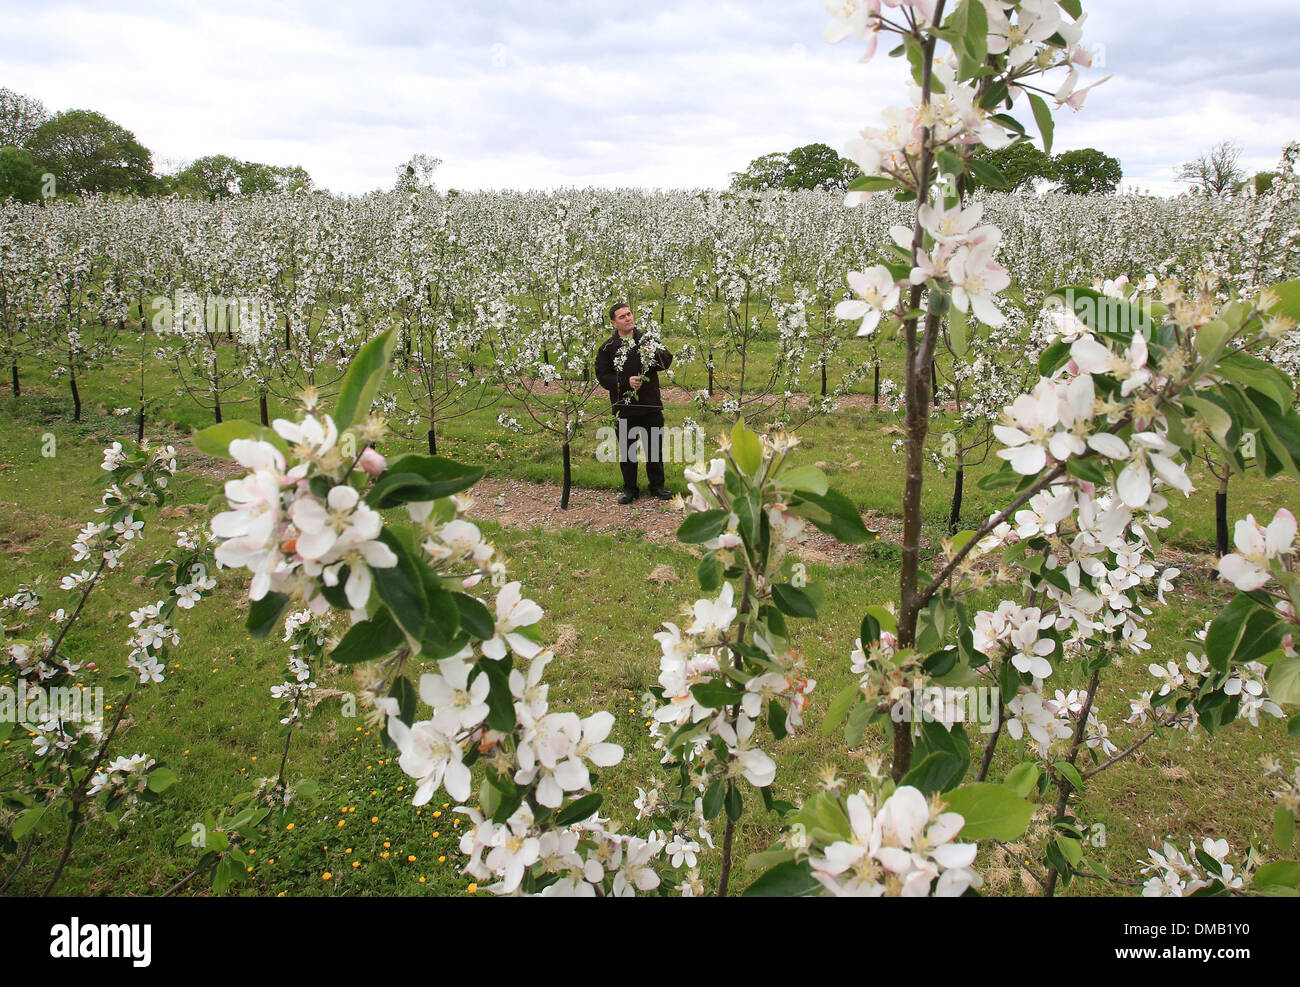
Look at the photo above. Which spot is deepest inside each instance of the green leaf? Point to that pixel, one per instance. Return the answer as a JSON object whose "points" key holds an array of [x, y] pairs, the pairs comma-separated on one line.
{"points": [[845, 523], [401, 588], [792, 601], [716, 694], [407, 698], [1023, 778], [1071, 849], [735, 805], [161, 778], [712, 803], [265, 613], [857, 723], [702, 527], [745, 449], [421, 478], [1283, 873], [1284, 682], [501, 704], [871, 183], [822, 814], [1071, 774], [884, 619], [992, 812], [1043, 117], [221, 877], [839, 708], [802, 478], [957, 331], [1211, 336], [1072, 7], [28, 822], [1261, 376], [776, 720], [987, 175], [474, 616], [579, 810], [368, 640], [362, 379], [937, 772], [748, 512], [1244, 631], [215, 439], [709, 573], [791, 879]]}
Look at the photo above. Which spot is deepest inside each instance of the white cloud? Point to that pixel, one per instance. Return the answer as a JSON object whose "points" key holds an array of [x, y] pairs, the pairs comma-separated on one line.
{"points": [[516, 94]]}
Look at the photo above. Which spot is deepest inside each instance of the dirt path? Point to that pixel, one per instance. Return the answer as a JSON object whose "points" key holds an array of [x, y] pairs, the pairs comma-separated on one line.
{"points": [[522, 503], [525, 503]]}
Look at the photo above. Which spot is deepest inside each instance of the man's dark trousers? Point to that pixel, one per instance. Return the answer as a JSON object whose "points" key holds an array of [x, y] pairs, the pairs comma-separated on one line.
{"points": [[645, 429]]}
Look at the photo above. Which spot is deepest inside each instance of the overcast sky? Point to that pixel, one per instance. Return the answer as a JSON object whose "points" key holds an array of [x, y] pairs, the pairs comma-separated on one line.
{"points": [[536, 94]]}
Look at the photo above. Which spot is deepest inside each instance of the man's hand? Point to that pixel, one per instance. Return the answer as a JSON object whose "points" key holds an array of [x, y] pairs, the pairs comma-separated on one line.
{"points": [[635, 382]]}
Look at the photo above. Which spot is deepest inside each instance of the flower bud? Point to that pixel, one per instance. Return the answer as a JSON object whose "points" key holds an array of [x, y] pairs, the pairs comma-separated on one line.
{"points": [[372, 462]]}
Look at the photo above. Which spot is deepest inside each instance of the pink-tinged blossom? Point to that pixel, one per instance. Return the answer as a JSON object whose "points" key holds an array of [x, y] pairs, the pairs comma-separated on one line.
{"points": [[1248, 567]]}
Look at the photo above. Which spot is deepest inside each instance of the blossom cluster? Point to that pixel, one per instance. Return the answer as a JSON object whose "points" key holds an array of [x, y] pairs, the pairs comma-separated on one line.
{"points": [[902, 846]]}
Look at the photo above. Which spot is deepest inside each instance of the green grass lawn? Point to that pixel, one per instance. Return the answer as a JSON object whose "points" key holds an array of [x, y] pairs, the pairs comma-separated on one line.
{"points": [[215, 723]]}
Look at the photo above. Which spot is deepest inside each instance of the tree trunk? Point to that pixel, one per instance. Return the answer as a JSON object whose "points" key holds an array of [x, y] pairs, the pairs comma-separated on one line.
{"points": [[710, 382], [568, 478], [876, 397], [1220, 522], [261, 407], [18, 391], [823, 380], [139, 427], [216, 406], [433, 442], [954, 516], [934, 379], [76, 396]]}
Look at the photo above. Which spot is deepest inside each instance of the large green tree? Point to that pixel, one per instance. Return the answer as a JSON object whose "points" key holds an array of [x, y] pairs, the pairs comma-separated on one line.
{"points": [[1087, 171], [219, 176], [1022, 164], [19, 177], [809, 167], [255, 177], [87, 152]]}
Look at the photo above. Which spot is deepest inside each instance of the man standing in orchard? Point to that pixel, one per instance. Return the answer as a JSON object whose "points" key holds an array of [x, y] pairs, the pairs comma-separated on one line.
{"points": [[630, 372]]}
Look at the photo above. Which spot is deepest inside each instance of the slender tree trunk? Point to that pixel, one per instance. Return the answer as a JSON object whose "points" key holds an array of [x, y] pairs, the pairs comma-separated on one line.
{"points": [[76, 395], [139, 427], [216, 406], [934, 379], [954, 516], [262, 408], [18, 391], [433, 441], [710, 381], [1220, 522], [568, 478], [876, 392], [823, 380]]}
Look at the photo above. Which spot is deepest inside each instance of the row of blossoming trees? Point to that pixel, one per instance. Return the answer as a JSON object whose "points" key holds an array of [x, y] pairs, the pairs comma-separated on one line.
{"points": [[1136, 381]]}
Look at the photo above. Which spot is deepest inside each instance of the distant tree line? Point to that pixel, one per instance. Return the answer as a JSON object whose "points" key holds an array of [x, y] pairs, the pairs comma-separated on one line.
{"points": [[86, 152]]}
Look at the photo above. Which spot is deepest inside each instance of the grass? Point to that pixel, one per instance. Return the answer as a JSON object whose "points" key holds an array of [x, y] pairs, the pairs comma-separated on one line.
{"points": [[214, 722]]}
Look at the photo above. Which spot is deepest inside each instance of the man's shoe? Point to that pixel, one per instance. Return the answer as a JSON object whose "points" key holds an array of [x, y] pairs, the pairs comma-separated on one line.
{"points": [[663, 493], [627, 496]]}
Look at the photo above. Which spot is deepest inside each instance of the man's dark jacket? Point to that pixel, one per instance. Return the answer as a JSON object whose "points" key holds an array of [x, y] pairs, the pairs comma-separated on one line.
{"points": [[648, 400]]}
